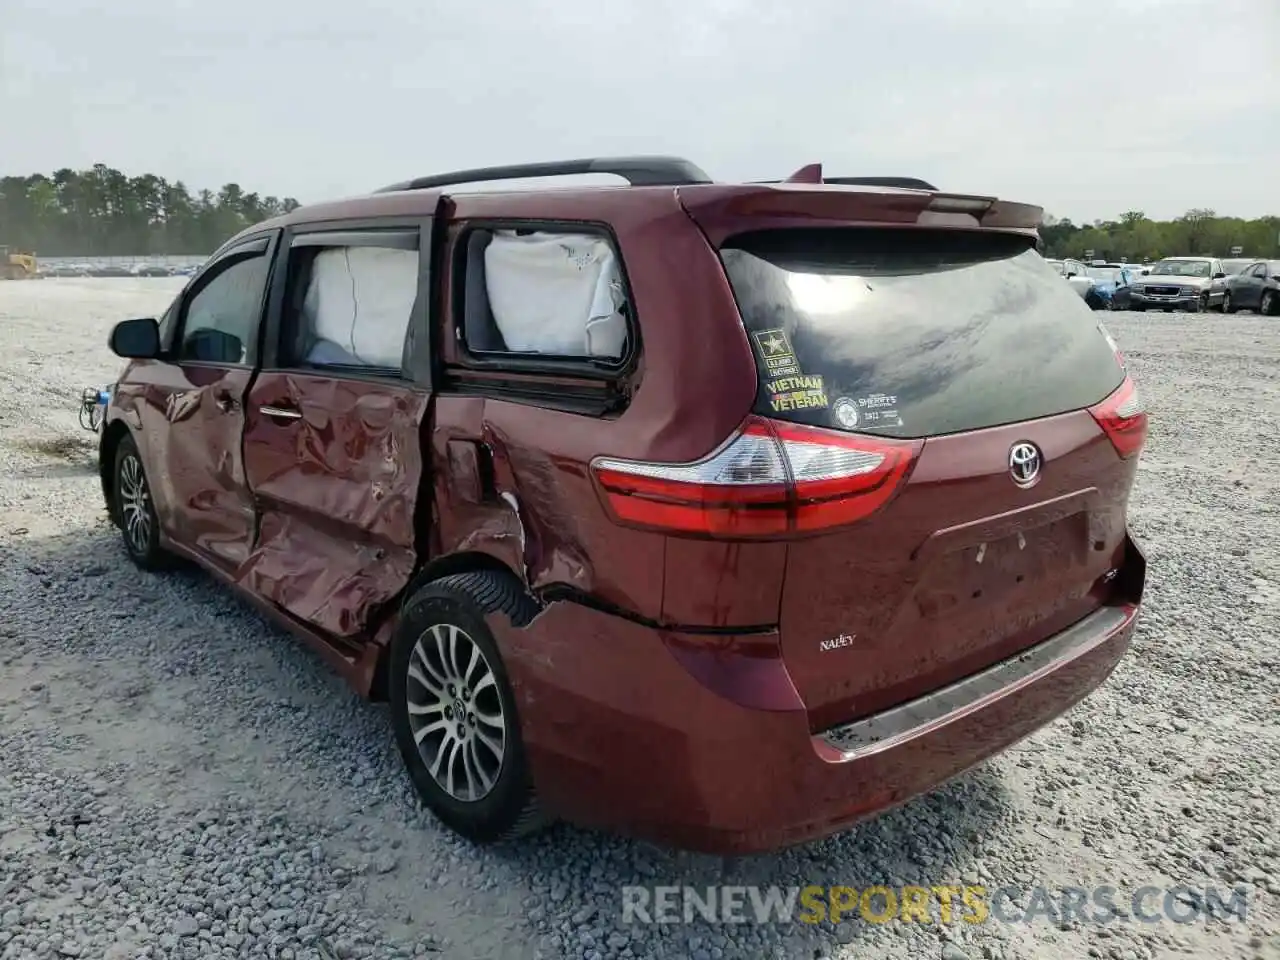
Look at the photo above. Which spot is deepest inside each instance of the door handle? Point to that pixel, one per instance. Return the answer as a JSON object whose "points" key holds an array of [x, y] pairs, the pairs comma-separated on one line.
{"points": [[280, 413]]}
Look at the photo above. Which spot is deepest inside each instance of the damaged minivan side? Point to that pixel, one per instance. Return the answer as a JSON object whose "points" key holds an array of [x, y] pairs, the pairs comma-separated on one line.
{"points": [[621, 496]]}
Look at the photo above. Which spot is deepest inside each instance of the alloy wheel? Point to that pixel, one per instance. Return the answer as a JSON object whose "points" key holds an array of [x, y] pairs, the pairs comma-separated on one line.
{"points": [[1264, 305], [455, 712], [1226, 303], [135, 504]]}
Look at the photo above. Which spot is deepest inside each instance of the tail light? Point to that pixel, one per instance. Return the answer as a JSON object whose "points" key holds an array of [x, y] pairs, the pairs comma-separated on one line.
{"points": [[770, 478], [1124, 418]]}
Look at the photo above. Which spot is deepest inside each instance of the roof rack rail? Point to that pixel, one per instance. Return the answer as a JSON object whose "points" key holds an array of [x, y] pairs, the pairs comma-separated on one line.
{"points": [[639, 171]]}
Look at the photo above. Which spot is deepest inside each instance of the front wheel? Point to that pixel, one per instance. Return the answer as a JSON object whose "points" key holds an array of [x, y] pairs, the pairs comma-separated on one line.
{"points": [[1202, 304], [135, 510], [1227, 306], [1266, 306], [454, 714]]}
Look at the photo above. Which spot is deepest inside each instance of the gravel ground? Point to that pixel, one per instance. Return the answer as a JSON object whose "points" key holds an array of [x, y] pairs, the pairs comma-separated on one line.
{"points": [[180, 780]]}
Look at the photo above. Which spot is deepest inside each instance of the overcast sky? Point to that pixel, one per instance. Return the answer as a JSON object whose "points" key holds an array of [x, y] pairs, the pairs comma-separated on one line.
{"points": [[1088, 109]]}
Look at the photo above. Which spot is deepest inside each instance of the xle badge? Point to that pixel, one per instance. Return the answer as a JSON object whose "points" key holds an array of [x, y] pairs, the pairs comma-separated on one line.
{"points": [[835, 643]]}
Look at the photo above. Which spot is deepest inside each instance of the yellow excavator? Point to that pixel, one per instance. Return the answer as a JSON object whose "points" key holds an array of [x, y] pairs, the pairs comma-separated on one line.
{"points": [[17, 266]]}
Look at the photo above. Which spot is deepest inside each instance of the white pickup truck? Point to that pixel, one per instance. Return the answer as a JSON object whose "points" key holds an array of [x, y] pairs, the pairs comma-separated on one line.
{"points": [[1076, 275]]}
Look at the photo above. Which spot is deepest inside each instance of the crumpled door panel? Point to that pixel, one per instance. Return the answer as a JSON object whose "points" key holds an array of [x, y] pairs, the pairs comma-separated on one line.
{"points": [[337, 489]]}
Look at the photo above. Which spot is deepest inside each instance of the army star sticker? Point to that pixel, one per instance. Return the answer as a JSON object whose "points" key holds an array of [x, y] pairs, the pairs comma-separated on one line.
{"points": [[774, 344]]}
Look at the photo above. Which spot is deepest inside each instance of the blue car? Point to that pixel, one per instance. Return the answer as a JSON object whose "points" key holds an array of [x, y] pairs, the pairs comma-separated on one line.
{"points": [[1110, 290]]}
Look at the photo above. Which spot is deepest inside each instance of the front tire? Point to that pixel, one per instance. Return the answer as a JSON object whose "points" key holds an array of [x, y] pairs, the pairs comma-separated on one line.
{"points": [[1266, 306], [135, 509], [1227, 306], [454, 714]]}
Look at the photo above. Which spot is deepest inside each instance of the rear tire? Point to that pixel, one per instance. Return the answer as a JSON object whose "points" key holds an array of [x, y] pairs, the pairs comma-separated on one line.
{"points": [[135, 510], [453, 710]]}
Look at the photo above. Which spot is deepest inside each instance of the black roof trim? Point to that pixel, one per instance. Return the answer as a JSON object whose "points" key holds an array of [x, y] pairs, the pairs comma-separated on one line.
{"points": [[639, 171]]}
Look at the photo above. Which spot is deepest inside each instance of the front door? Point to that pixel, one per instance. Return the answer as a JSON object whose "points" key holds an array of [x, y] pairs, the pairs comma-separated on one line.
{"points": [[1249, 286], [196, 407], [335, 425]]}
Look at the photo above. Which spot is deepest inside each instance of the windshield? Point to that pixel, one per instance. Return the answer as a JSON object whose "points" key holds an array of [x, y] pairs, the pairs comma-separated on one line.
{"points": [[913, 333], [1181, 268]]}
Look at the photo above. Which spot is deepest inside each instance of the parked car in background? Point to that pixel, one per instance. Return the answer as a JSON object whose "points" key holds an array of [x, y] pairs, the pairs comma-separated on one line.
{"points": [[1180, 283], [853, 537], [1108, 280], [1257, 287], [1075, 273]]}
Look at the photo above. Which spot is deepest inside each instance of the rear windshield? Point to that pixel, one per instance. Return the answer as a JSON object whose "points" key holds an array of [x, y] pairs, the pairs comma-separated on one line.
{"points": [[912, 333]]}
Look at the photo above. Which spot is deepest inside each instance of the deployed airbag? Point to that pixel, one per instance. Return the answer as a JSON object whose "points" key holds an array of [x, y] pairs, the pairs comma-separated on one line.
{"points": [[554, 293], [358, 304]]}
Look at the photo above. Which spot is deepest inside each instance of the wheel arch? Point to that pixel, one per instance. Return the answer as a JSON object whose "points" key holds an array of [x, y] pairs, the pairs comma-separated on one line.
{"points": [[490, 583], [112, 434]]}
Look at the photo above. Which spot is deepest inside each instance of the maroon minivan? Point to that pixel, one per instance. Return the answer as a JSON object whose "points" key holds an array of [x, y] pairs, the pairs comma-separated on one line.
{"points": [[721, 514]]}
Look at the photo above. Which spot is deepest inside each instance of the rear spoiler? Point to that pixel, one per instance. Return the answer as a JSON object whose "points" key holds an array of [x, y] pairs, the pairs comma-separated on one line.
{"points": [[807, 199]]}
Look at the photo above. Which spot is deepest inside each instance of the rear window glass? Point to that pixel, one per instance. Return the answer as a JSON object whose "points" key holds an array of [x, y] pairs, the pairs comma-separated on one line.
{"points": [[914, 333]]}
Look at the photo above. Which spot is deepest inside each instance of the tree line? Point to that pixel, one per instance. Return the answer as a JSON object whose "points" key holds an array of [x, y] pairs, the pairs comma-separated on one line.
{"points": [[103, 212], [1134, 237]]}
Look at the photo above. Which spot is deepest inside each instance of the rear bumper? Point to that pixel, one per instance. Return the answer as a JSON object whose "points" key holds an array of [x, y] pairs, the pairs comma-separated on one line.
{"points": [[620, 734]]}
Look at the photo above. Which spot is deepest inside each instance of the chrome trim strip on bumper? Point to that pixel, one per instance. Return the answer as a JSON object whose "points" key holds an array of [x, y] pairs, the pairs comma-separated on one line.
{"points": [[887, 729]]}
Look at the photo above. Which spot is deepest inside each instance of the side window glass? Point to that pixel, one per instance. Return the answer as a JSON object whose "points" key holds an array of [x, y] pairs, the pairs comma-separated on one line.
{"points": [[1260, 270], [349, 306], [168, 318], [542, 294], [222, 318]]}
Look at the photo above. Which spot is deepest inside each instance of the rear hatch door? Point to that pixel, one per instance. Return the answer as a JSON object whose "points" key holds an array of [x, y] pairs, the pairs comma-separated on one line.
{"points": [[967, 346]]}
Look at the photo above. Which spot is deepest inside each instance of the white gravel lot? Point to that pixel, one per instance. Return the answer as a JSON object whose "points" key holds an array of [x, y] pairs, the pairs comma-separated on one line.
{"points": [[180, 780]]}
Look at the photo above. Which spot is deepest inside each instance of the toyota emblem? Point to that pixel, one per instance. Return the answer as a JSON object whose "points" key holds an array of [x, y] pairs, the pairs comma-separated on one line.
{"points": [[1024, 463]]}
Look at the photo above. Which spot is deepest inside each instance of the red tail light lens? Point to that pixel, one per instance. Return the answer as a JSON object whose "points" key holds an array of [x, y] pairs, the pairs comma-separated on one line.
{"points": [[1124, 418], [768, 479]]}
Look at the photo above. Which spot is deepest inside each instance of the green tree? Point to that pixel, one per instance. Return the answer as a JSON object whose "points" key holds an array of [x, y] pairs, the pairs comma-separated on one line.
{"points": [[103, 212], [1198, 232]]}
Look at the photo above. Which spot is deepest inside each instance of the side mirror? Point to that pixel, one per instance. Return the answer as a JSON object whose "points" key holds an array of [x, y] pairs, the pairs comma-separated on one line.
{"points": [[135, 339], [1219, 275], [1146, 273], [1070, 274]]}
